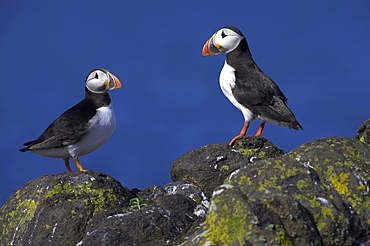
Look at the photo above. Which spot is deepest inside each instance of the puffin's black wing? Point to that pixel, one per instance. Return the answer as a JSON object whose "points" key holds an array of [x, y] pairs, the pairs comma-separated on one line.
{"points": [[255, 88], [260, 94], [66, 129]]}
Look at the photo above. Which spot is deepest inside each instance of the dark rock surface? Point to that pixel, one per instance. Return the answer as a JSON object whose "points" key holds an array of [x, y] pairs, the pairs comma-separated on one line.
{"points": [[208, 166], [152, 225], [55, 209], [250, 194], [363, 133], [91, 208], [317, 194], [257, 148]]}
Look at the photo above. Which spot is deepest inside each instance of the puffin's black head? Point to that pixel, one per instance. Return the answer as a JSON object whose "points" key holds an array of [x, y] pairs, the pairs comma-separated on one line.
{"points": [[224, 40], [100, 81]]}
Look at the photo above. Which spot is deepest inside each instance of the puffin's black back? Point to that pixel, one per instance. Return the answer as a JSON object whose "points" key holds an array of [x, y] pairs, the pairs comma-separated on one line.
{"points": [[252, 85], [257, 91], [72, 124]]}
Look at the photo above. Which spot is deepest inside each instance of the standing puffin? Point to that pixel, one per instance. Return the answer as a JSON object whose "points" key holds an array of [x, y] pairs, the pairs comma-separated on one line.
{"points": [[84, 127], [246, 86]]}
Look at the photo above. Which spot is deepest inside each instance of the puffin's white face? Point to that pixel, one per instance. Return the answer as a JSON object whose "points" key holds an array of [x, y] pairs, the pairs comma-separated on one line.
{"points": [[100, 81], [224, 40]]}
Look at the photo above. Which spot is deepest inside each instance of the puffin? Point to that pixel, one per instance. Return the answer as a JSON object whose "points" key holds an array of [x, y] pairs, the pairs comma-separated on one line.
{"points": [[84, 127], [247, 87]]}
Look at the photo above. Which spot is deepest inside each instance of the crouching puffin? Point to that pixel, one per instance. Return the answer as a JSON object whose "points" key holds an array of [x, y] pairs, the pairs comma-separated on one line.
{"points": [[84, 127], [246, 86]]}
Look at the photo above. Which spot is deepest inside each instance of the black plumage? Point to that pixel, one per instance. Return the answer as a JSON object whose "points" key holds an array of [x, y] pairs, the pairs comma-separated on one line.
{"points": [[246, 85], [257, 91], [71, 125], [84, 127]]}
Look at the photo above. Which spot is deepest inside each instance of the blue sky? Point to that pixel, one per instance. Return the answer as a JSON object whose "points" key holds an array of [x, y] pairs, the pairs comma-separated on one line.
{"points": [[170, 103]]}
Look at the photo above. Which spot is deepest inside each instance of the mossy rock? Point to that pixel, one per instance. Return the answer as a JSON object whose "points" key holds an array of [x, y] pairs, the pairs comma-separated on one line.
{"points": [[317, 194], [208, 166], [152, 225], [363, 133], [257, 148], [55, 209]]}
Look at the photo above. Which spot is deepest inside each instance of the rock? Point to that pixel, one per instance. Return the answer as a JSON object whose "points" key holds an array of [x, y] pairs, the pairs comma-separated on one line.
{"points": [[167, 216], [251, 194], [55, 209], [191, 191], [152, 225], [91, 208], [208, 166], [183, 198], [363, 133], [257, 148], [153, 193], [179, 196], [317, 194]]}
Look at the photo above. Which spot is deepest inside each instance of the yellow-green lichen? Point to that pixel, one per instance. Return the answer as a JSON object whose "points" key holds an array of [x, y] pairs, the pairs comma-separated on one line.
{"points": [[98, 197], [313, 201], [339, 183], [329, 170], [352, 153], [17, 218], [328, 212], [73, 212], [248, 151], [225, 167], [284, 239], [321, 221], [284, 171], [227, 229], [362, 139], [320, 225], [26, 207], [291, 172], [358, 203], [244, 180], [269, 183], [302, 184]]}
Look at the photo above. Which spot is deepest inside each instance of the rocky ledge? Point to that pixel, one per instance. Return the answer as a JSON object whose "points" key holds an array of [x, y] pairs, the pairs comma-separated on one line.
{"points": [[252, 193]]}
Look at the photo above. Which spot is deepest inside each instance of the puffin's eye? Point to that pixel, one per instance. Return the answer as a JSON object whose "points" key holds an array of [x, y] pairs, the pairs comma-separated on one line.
{"points": [[96, 76], [223, 34]]}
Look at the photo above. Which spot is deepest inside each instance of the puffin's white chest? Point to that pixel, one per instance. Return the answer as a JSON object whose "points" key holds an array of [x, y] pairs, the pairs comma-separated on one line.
{"points": [[101, 129], [227, 83]]}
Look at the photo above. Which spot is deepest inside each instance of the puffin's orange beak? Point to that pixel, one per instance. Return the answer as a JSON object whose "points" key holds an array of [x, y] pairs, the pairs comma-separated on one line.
{"points": [[209, 48], [114, 83]]}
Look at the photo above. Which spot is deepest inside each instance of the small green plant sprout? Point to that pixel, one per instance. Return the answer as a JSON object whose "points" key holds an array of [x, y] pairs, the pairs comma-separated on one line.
{"points": [[137, 203]]}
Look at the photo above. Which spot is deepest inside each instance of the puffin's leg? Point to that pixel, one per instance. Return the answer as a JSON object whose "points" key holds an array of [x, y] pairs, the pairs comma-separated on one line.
{"points": [[78, 164], [259, 132], [66, 162], [242, 133]]}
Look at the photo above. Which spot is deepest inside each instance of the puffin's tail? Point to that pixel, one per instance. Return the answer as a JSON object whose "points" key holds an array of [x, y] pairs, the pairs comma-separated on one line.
{"points": [[28, 144], [294, 125], [278, 114]]}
